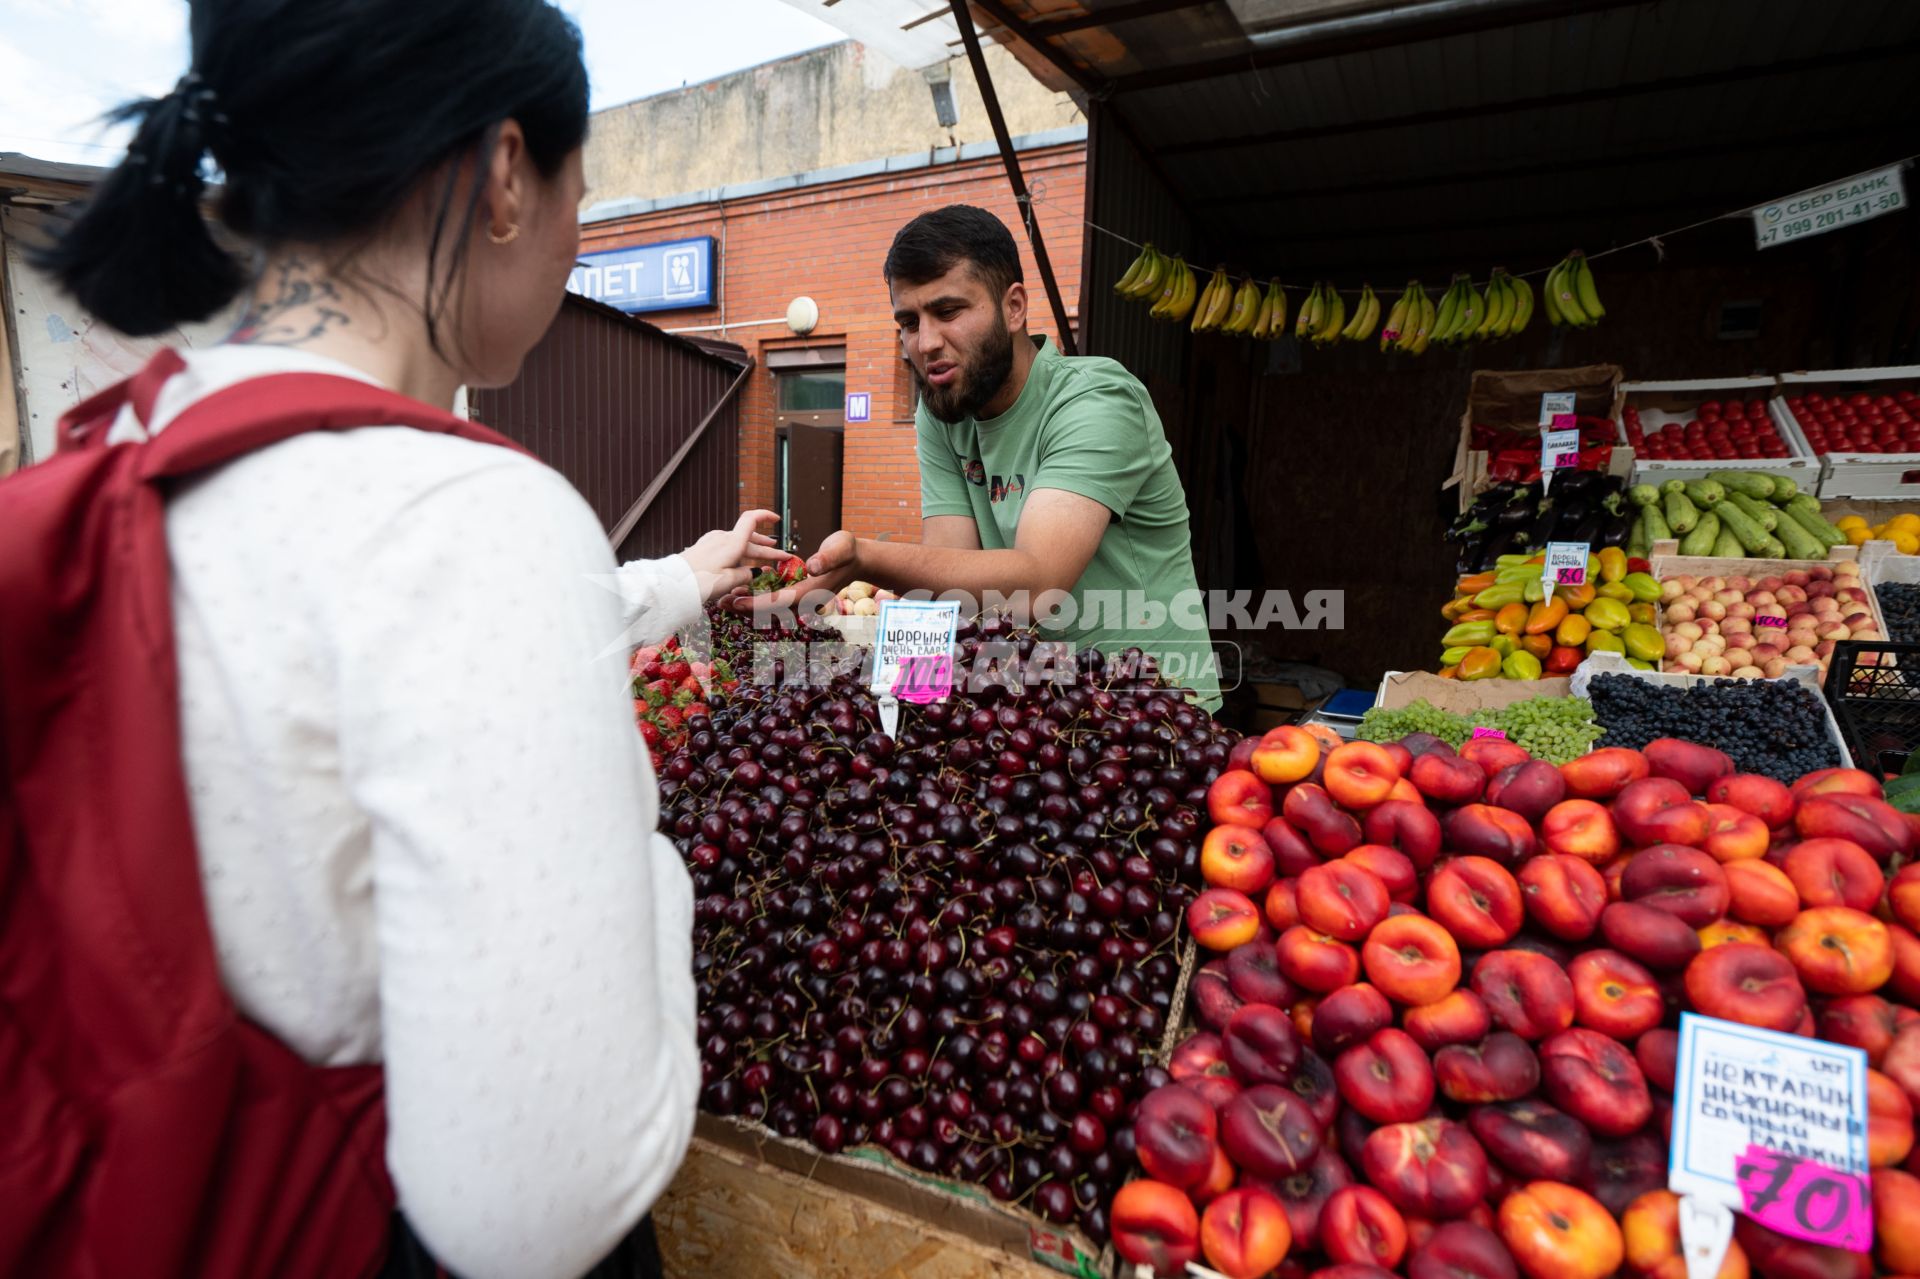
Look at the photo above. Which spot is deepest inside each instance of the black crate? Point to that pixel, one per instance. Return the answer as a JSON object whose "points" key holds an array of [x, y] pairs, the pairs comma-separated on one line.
{"points": [[1874, 689]]}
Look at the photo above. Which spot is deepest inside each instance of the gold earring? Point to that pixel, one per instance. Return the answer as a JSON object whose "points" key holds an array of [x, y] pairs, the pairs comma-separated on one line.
{"points": [[513, 233]]}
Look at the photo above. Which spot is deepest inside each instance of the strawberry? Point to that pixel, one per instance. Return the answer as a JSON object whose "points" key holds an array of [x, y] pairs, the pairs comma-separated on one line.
{"points": [[684, 697], [670, 716], [698, 708], [658, 691], [650, 734]]}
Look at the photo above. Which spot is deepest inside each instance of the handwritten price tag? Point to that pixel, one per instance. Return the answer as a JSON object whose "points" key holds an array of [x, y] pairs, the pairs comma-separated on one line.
{"points": [[924, 678], [1566, 564], [1559, 451], [1770, 620], [1556, 404], [1806, 1199], [1490, 732]]}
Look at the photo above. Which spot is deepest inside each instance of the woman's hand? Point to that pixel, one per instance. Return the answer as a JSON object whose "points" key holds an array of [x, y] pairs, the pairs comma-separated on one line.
{"points": [[725, 560]]}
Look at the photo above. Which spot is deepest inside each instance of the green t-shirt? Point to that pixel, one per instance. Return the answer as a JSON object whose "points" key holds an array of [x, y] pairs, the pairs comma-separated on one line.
{"points": [[1087, 426]]}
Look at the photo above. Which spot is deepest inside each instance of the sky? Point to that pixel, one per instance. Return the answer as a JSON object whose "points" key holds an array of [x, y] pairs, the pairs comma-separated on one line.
{"points": [[65, 62]]}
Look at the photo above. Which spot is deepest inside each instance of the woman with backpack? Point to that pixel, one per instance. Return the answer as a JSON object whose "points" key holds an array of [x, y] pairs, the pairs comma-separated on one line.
{"points": [[329, 874]]}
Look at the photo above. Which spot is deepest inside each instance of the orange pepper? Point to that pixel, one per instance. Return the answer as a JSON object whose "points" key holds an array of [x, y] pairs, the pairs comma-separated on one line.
{"points": [[1449, 672], [1481, 663], [1475, 615], [1546, 615], [1539, 645], [1511, 619], [1577, 597], [1474, 583], [1456, 606]]}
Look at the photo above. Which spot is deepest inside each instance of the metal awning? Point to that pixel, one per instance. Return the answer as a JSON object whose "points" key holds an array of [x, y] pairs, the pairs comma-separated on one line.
{"points": [[1342, 136]]}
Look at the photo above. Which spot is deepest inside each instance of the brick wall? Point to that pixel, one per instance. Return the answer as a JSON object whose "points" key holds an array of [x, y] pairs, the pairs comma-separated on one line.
{"points": [[828, 243]]}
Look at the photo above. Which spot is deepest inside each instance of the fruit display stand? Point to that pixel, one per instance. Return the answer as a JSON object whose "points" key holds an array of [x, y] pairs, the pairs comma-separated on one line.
{"points": [[1850, 474], [748, 1202], [1651, 408], [1807, 677], [1510, 402]]}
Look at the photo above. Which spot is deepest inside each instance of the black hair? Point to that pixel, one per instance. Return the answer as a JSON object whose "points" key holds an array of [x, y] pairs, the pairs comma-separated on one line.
{"points": [[935, 242], [323, 117]]}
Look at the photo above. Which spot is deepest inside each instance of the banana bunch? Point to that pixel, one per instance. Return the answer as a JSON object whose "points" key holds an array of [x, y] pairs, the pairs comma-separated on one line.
{"points": [[1509, 305], [1461, 310], [1569, 296], [1145, 277], [1216, 305], [1271, 323], [1177, 292], [1366, 316], [1410, 323], [1323, 316]]}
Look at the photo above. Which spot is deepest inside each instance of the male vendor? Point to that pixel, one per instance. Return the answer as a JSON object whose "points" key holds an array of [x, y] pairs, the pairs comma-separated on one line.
{"points": [[1038, 472]]}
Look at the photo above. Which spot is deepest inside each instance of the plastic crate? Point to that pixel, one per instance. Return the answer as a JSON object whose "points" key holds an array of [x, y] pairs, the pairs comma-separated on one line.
{"points": [[1874, 690], [1848, 474], [1663, 403]]}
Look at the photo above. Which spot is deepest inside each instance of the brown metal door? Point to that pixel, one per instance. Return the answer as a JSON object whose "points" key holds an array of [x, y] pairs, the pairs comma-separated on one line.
{"points": [[807, 480]]}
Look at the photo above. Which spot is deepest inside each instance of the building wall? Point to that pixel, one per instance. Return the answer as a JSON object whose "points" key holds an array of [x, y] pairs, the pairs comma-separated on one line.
{"points": [[828, 242], [832, 106]]}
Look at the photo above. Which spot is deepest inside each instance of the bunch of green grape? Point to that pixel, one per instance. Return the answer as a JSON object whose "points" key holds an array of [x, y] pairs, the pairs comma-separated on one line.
{"points": [[1555, 729], [1383, 725]]}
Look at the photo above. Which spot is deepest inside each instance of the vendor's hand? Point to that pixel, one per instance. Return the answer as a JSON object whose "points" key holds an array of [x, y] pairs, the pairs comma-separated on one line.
{"points": [[725, 560], [828, 569]]}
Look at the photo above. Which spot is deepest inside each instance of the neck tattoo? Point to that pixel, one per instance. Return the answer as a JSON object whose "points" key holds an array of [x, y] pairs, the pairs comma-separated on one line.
{"points": [[304, 306]]}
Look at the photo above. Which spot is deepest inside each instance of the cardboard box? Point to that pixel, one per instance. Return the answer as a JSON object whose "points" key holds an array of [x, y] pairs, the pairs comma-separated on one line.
{"points": [[1856, 475], [1510, 401], [1663, 403], [1463, 697]]}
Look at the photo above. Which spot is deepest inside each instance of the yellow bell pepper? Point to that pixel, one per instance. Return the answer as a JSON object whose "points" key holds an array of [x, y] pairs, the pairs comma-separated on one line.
{"points": [[1503, 644], [1521, 665], [1573, 631], [1640, 664], [1616, 591], [1533, 590], [1481, 663], [1476, 615], [1511, 619], [1546, 615], [1643, 642], [1605, 641], [1470, 634], [1613, 563], [1643, 613], [1453, 655], [1541, 646], [1474, 583], [1608, 615]]}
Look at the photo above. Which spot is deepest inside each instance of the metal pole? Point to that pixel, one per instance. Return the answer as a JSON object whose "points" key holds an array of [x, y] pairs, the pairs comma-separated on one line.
{"points": [[964, 20]]}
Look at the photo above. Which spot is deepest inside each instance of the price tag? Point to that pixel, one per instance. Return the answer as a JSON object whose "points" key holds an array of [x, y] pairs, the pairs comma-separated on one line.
{"points": [[1559, 450], [1556, 404], [1774, 1126], [1566, 564], [1806, 1198], [1490, 732], [1770, 620], [913, 649]]}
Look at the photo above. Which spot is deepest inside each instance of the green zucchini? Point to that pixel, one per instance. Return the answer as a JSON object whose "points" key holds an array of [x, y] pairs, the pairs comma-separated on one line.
{"points": [[1657, 530], [1784, 490], [1637, 545], [1644, 495], [1727, 546], [1681, 513], [1752, 483], [1705, 532], [1745, 531], [1800, 544], [1706, 494], [1806, 511], [1759, 512]]}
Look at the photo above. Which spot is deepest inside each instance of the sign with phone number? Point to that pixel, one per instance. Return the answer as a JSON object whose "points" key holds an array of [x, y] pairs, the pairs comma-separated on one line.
{"points": [[1810, 213]]}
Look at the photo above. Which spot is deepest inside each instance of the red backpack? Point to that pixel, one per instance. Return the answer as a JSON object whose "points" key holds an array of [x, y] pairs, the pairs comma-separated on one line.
{"points": [[149, 1130]]}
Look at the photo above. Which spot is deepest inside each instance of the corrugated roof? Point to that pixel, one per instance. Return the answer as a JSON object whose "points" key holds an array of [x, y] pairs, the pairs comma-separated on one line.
{"points": [[1374, 138]]}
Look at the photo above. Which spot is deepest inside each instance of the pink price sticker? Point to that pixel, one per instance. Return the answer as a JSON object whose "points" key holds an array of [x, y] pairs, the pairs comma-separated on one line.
{"points": [[1806, 1199], [1770, 620], [923, 678], [1571, 575], [1478, 733], [1566, 461]]}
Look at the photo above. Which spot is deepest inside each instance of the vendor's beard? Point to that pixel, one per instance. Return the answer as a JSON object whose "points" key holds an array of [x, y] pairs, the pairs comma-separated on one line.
{"points": [[980, 380]]}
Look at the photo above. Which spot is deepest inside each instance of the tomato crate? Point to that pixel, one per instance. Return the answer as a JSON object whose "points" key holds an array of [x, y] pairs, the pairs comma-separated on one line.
{"points": [[1874, 689], [1830, 407], [1653, 412]]}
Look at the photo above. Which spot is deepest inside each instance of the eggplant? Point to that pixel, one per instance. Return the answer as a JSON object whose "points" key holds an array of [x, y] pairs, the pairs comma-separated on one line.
{"points": [[1616, 524], [1500, 541], [1514, 515], [1571, 516], [1473, 555], [1539, 529], [1576, 483]]}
